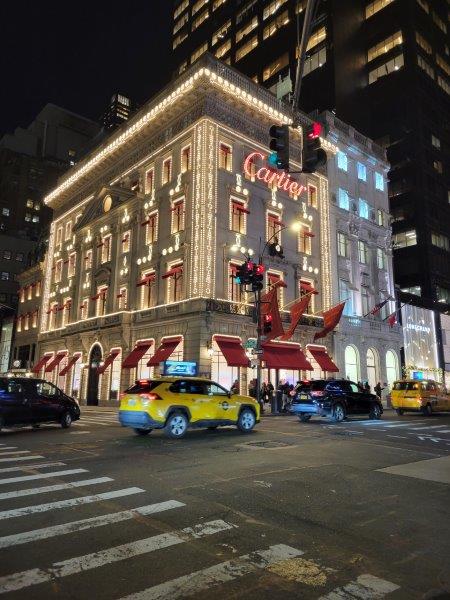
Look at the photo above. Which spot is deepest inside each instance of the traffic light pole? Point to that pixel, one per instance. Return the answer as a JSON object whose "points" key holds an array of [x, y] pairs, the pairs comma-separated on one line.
{"points": [[258, 345]]}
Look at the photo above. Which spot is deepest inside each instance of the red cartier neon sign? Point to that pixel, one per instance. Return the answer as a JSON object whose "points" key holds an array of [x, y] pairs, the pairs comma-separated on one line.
{"points": [[269, 176]]}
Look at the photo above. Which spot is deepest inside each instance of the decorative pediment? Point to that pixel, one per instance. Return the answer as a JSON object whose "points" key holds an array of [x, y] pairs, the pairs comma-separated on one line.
{"points": [[102, 275], [105, 200]]}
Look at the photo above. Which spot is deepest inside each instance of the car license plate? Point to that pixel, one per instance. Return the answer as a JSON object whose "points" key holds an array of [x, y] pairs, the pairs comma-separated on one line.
{"points": [[131, 402], [303, 397]]}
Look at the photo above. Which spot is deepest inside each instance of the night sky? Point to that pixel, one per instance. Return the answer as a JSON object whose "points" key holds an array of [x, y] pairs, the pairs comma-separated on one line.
{"points": [[76, 55]]}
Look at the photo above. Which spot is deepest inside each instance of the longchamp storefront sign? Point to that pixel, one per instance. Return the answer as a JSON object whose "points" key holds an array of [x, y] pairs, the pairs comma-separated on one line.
{"points": [[270, 176]]}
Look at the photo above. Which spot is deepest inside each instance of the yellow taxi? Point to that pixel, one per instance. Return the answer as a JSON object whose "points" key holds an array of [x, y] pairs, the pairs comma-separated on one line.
{"points": [[175, 404], [425, 396]]}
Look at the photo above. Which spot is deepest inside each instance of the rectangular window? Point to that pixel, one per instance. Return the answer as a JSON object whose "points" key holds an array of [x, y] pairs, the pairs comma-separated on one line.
{"points": [[149, 184], [342, 161], [217, 4], [343, 199], [248, 28], [34, 320], [246, 11], [440, 241], [185, 159], [374, 7], [304, 240], [88, 260], [436, 142], [236, 292], [443, 294], [404, 239], [72, 264], [424, 4], [19, 256], [5, 211], [276, 66], [125, 242], [272, 8], [179, 39], [180, 23], [443, 84], [183, 5], [148, 289], [221, 33], [343, 244], [443, 64], [174, 278], [362, 172], [276, 24], [346, 294], [385, 46], [68, 234], [223, 49], [305, 286], [67, 306], [30, 293], [225, 157], [422, 42], [22, 295], [122, 298], [316, 38], [386, 69], [363, 209], [38, 289], [52, 315], [274, 226], [59, 234], [177, 221], [203, 48], [363, 253], [198, 6], [7, 254], [101, 299], [84, 309], [415, 289], [439, 22], [151, 232], [312, 196], [246, 48], [381, 259], [379, 181], [425, 66], [58, 271], [380, 218], [316, 60], [105, 255], [437, 166], [199, 20], [238, 216], [166, 171]]}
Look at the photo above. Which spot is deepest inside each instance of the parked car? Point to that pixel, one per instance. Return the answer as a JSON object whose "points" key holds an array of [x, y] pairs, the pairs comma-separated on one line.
{"points": [[335, 399], [174, 404], [25, 401], [426, 396]]}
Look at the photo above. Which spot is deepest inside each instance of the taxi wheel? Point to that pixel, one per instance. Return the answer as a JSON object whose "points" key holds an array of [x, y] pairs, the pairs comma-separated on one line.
{"points": [[304, 418], [142, 431], [246, 420], [375, 412], [427, 411], [66, 420], [176, 425]]}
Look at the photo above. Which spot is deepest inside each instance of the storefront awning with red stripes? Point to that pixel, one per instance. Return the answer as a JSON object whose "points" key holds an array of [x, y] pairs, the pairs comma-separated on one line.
{"points": [[41, 363], [55, 362], [308, 287], [69, 365], [275, 279], [231, 348], [240, 207], [150, 278], [277, 355], [136, 354], [108, 361], [164, 351], [320, 354], [173, 271]]}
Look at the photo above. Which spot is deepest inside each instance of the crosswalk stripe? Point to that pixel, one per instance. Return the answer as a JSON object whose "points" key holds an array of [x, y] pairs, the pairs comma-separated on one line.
{"points": [[72, 566], [40, 508], [401, 425], [366, 586], [380, 423], [16, 452], [191, 584], [54, 488], [428, 427], [2, 460], [41, 476], [444, 431], [27, 467], [98, 422], [83, 524], [7, 448]]}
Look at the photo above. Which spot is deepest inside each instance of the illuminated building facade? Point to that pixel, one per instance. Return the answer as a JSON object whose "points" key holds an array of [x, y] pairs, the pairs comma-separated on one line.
{"points": [[148, 232]]}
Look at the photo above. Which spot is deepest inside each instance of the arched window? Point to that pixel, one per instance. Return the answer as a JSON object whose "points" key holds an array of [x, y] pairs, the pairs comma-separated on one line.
{"points": [[391, 367], [351, 363], [373, 372]]}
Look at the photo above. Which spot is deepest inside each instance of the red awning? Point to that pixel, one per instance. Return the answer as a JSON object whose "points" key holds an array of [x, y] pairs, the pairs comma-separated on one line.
{"points": [[164, 351], [177, 205], [310, 234], [69, 365], [136, 354], [232, 350], [55, 362], [285, 356], [275, 280], [308, 287], [146, 280], [108, 360], [173, 271], [323, 358], [241, 208], [40, 364]]}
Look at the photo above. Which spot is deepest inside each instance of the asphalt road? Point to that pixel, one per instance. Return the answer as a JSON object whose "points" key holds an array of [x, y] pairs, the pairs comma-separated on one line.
{"points": [[358, 510]]}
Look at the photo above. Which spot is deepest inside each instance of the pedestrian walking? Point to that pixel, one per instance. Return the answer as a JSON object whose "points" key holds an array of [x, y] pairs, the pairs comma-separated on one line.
{"points": [[378, 389], [235, 387]]}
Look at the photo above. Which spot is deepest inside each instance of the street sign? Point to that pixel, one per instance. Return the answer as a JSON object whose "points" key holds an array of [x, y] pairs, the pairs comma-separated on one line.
{"points": [[260, 351], [250, 344]]}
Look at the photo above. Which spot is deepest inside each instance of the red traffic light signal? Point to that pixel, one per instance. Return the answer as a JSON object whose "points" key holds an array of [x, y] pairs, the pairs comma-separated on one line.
{"points": [[260, 269], [267, 324], [315, 131]]}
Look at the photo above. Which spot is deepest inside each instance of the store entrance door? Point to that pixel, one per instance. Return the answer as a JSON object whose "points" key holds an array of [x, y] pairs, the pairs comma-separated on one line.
{"points": [[93, 377]]}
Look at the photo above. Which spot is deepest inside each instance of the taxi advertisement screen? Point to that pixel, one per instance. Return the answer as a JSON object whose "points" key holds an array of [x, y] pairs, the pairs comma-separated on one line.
{"points": [[176, 367]]}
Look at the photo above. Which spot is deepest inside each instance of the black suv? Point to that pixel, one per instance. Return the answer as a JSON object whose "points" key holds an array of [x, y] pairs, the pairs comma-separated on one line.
{"points": [[334, 398], [34, 401]]}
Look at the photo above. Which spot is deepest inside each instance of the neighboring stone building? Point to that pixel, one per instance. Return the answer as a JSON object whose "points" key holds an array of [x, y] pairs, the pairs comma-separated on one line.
{"points": [[147, 233]]}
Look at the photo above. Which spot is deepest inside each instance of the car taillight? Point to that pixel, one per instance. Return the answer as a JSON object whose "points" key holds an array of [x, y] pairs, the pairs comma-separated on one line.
{"points": [[317, 394], [149, 397]]}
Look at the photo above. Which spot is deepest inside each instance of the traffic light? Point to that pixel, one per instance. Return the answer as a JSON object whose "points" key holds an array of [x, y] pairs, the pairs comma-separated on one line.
{"points": [[279, 144], [275, 249], [267, 324], [313, 155], [257, 277], [244, 273]]}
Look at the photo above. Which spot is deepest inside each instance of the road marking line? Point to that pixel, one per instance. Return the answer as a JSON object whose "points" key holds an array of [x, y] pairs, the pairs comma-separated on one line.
{"points": [[379, 423], [444, 431], [8, 448], [41, 476], [83, 524], [366, 586], [403, 437], [13, 453], [37, 466], [2, 460], [198, 581], [429, 427], [401, 425], [96, 422], [53, 488], [80, 564], [40, 508]]}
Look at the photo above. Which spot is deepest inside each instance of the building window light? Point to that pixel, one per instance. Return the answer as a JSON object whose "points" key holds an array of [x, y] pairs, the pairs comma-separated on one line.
{"points": [[385, 46], [343, 199], [379, 182], [362, 172], [386, 69], [342, 161], [373, 7], [363, 209]]}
